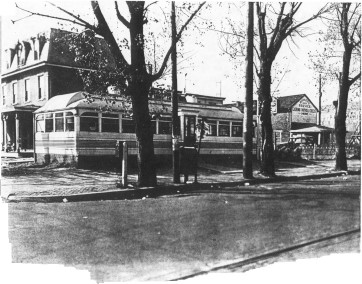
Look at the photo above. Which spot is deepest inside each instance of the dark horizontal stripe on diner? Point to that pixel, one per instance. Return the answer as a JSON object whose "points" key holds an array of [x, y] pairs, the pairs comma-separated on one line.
{"points": [[112, 143], [52, 143], [224, 145]]}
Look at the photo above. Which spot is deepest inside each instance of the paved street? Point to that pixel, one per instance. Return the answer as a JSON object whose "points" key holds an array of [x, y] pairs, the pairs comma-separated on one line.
{"points": [[174, 236]]}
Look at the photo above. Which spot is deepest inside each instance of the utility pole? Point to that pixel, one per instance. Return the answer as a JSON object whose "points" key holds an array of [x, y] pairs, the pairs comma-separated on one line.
{"points": [[154, 54], [248, 104], [174, 102], [320, 100]]}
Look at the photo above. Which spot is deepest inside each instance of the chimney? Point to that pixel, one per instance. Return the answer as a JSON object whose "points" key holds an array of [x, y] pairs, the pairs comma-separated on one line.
{"points": [[27, 48], [10, 57], [40, 42], [185, 84]]}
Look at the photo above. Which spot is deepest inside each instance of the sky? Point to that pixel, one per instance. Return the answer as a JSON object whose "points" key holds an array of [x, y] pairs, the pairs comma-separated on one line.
{"points": [[208, 71]]}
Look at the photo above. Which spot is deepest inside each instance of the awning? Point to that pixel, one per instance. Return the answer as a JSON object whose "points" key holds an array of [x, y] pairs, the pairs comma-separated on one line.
{"points": [[78, 100], [313, 129], [220, 114], [26, 108]]}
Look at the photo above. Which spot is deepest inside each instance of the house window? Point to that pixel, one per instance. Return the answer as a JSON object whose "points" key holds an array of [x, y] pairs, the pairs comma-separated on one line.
{"points": [[237, 129], [110, 122], [277, 136], [3, 95], [128, 125], [49, 122], [40, 87], [69, 121], [40, 123], [89, 122], [164, 125], [224, 128], [15, 86], [26, 89], [59, 122]]}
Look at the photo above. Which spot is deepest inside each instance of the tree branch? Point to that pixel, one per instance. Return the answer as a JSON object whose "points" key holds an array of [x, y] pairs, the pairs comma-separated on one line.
{"points": [[120, 17], [320, 12], [104, 31], [52, 17], [277, 26], [224, 32], [87, 25], [173, 44], [256, 69], [353, 13], [145, 9], [257, 52], [355, 27], [354, 79]]}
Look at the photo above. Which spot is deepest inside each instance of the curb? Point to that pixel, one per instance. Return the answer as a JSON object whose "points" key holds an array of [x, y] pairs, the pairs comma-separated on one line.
{"points": [[152, 192]]}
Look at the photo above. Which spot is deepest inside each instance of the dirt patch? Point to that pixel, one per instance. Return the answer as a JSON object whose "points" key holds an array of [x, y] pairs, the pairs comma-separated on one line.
{"points": [[30, 168]]}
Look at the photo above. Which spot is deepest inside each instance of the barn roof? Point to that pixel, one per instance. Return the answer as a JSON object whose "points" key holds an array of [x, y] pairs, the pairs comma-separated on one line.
{"points": [[286, 103]]}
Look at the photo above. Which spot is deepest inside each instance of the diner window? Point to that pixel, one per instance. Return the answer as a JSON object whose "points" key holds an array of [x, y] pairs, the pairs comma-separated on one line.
{"points": [[69, 121], [26, 89], [49, 124], [128, 125], [15, 89], [212, 127], [154, 127], [89, 122], [255, 129], [110, 122], [40, 123], [164, 125], [224, 128], [237, 129], [59, 122]]}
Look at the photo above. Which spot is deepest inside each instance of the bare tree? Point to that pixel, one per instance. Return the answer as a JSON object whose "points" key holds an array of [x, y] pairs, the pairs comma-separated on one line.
{"points": [[349, 17], [276, 24], [138, 78]]}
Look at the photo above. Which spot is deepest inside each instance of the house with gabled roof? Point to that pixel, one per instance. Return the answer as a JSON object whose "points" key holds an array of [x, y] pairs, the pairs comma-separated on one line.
{"points": [[292, 113]]}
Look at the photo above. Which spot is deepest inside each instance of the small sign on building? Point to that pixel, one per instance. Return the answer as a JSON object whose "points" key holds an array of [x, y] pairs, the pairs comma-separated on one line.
{"points": [[274, 105], [304, 111]]}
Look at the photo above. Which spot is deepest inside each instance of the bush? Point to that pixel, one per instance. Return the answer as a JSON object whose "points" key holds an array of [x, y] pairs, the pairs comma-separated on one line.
{"points": [[288, 153]]}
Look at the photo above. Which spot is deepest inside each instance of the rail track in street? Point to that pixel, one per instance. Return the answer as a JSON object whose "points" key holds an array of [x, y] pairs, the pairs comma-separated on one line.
{"points": [[273, 254]]}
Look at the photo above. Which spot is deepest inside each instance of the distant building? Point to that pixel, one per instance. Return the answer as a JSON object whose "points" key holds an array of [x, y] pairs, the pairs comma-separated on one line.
{"points": [[353, 119], [206, 100]]}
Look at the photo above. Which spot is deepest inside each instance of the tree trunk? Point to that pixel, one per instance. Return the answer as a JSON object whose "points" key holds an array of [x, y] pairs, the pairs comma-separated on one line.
{"points": [[139, 86], [248, 105], [340, 118], [144, 134], [267, 147]]}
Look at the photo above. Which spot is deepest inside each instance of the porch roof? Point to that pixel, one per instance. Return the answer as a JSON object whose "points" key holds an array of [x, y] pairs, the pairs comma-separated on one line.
{"points": [[23, 108], [313, 129]]}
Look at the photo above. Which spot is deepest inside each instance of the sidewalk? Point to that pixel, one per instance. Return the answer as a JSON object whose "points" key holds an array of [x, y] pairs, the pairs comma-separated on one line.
{"points": [[68, 184]]}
